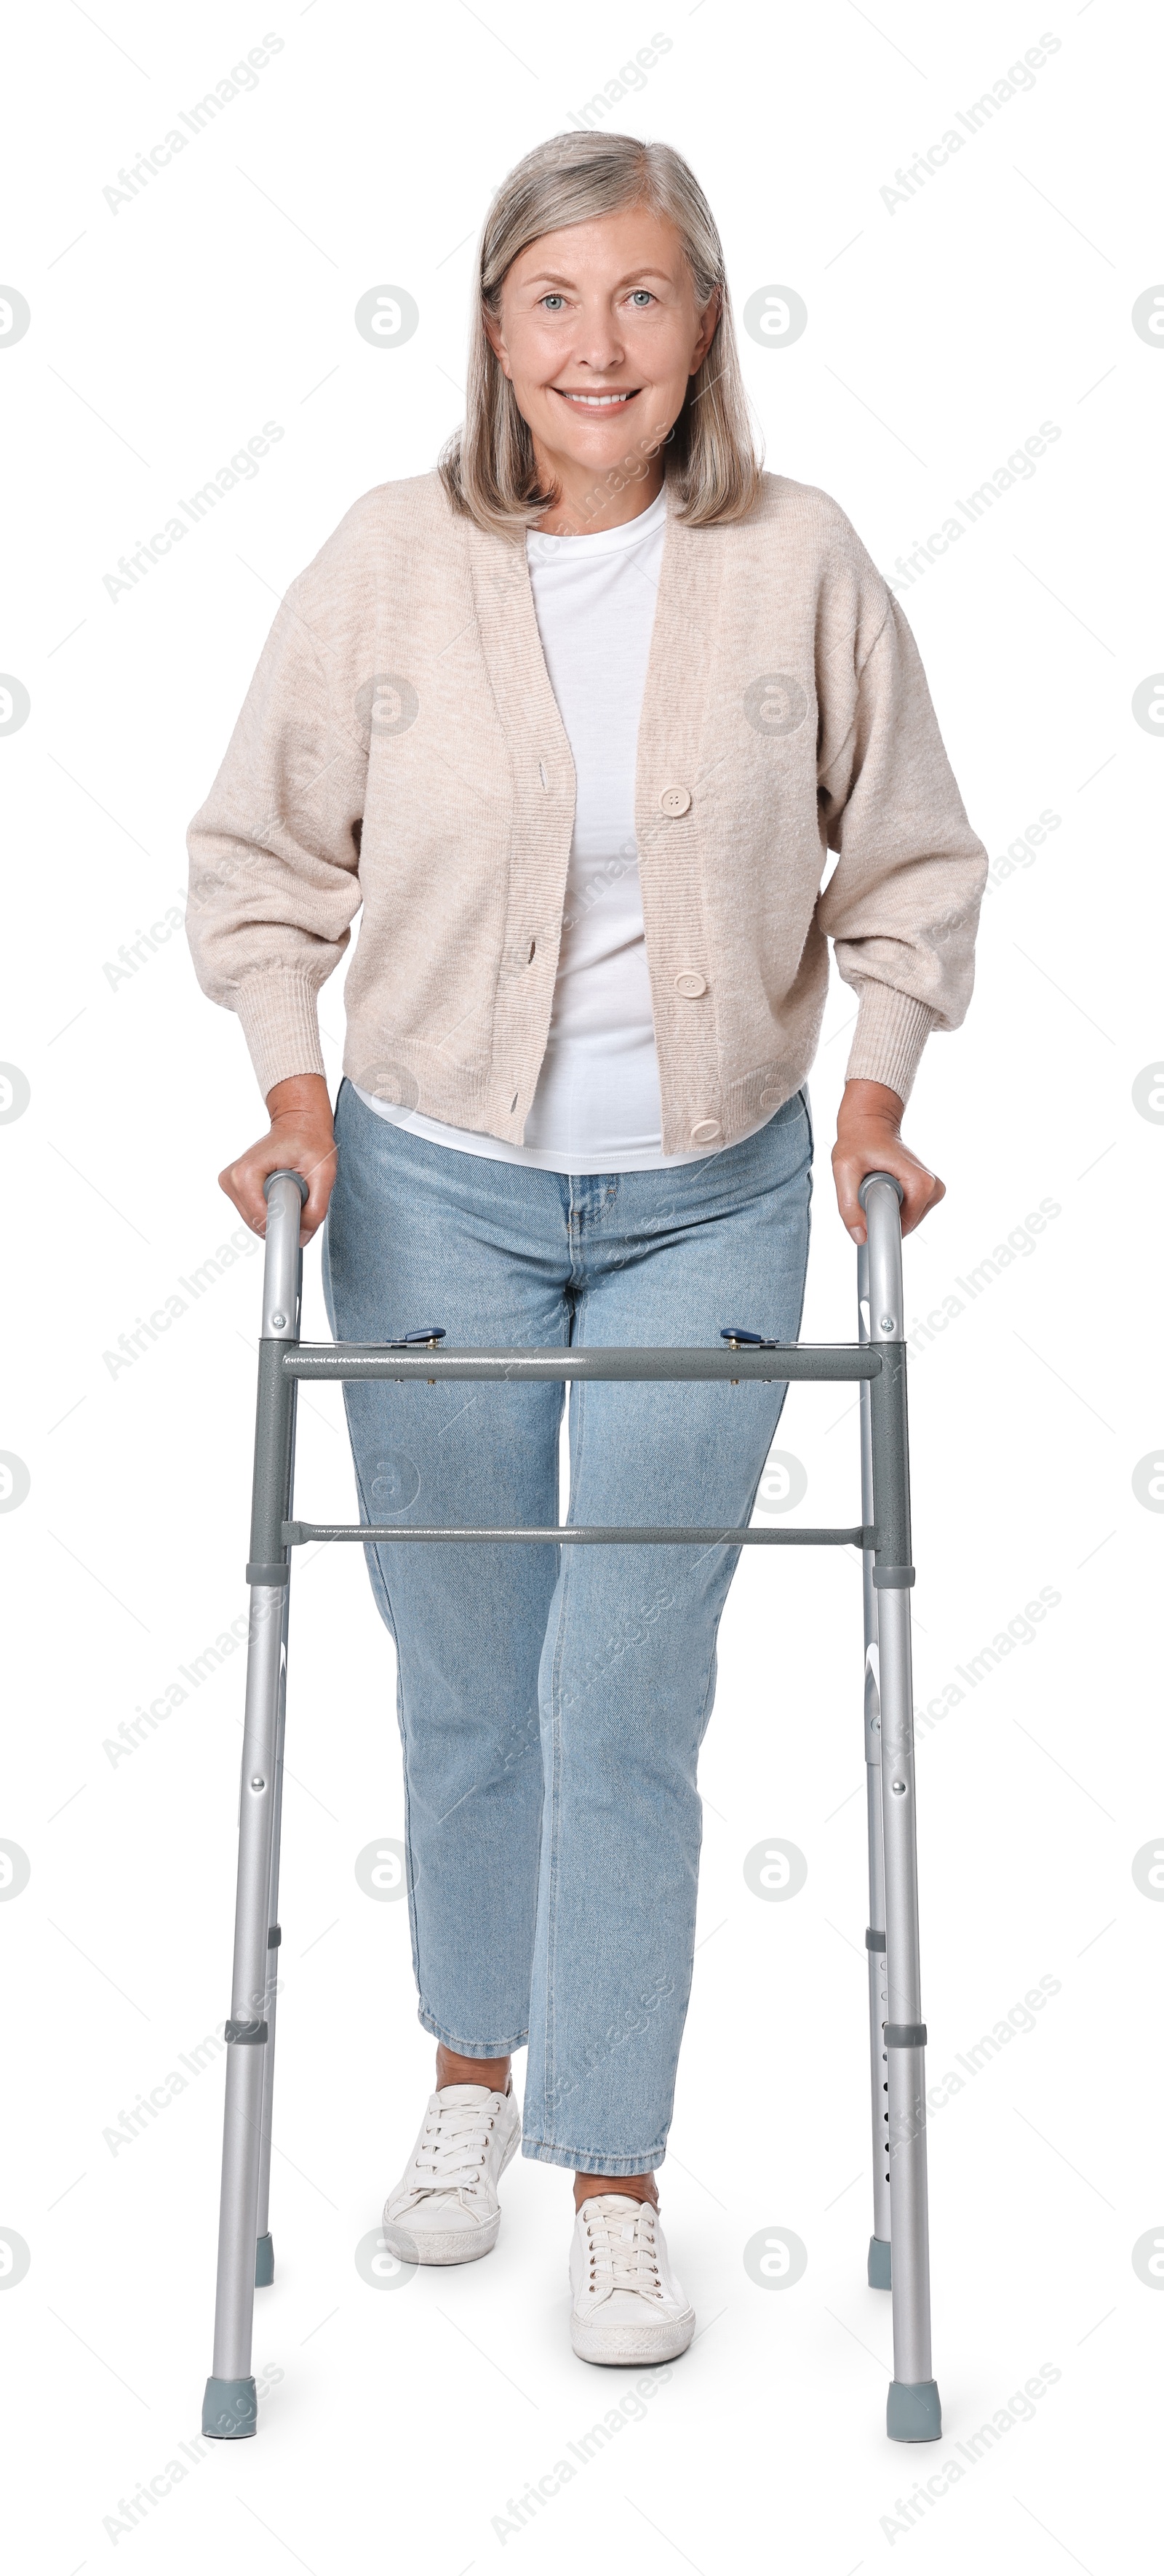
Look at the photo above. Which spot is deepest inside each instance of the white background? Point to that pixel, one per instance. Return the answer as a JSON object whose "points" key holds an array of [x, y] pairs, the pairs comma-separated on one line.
{"points": [[941, 334]]}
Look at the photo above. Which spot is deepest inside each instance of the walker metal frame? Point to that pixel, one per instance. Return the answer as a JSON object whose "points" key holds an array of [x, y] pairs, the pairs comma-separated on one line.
{"points": [[897, 2034]]}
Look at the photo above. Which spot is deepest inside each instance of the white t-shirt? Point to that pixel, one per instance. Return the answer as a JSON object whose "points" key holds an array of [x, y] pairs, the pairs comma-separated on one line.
{"points": [[596, 1107]]}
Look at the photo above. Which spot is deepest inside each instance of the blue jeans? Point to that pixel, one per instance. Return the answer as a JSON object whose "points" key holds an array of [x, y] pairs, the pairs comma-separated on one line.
{"points": [[552, 1700]]}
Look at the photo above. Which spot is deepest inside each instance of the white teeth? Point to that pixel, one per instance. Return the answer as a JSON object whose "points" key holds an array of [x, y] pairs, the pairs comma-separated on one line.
{"points": [[597, 402]]}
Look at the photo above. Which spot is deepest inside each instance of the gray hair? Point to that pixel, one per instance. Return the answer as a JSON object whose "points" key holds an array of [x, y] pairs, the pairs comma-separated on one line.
{"points": [[712, 468]]}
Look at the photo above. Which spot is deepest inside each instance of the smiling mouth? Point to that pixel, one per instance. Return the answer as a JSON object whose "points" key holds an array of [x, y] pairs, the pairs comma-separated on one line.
{"points": [[595, 402]]}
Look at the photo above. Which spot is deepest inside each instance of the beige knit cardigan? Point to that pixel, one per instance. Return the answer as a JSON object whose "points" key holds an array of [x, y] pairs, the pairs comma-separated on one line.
{"points": [[400, 751]]}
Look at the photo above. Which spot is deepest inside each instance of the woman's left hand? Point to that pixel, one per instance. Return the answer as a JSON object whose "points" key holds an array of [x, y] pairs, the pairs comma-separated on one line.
{"points": [[869, 1140]]}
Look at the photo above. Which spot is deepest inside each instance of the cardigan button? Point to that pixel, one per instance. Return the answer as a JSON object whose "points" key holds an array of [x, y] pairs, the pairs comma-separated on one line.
{"points": [[705, 1131], [691, 985], [675, 800]]}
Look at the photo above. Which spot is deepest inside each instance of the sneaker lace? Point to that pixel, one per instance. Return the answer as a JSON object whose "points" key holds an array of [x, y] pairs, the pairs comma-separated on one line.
{"points": [[453, 2149], [620, 2238]]}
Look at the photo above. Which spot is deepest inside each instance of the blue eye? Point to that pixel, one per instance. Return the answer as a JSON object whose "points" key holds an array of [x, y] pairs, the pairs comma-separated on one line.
{"points": [[553, 299], [642, 295]]}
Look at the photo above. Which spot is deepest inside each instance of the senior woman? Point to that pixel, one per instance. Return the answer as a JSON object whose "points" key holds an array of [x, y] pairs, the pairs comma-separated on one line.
{"points": [[577, 720]]}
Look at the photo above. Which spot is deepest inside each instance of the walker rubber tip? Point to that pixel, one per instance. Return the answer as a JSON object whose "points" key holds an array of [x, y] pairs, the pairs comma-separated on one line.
{"points": [[914, 2411], [264, 2262], [880, 2264], [230, 2410]]}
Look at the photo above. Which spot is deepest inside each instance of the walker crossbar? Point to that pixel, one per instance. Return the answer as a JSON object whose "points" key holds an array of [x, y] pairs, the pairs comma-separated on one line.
{"points": [[352, 1361], [899, 2248], [299, 1533]]}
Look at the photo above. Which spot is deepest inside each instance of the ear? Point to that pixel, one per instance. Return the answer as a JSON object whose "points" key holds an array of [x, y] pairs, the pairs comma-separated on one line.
{"points": [[709, 322], [493, 334]]}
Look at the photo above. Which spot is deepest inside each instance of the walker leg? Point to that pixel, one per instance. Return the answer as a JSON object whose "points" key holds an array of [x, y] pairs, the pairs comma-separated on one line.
{"points": [[229, 2410], [879, 2266], [914, 2409], [264, 2247]]}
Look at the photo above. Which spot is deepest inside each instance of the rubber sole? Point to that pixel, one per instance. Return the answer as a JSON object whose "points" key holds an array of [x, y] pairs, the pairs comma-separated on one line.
{"points": [[624, 2348], [443, 2245]]}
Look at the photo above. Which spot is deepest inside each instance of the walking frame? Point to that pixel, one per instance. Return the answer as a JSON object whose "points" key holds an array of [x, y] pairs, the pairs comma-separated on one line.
{"points": [[897, 2034]]}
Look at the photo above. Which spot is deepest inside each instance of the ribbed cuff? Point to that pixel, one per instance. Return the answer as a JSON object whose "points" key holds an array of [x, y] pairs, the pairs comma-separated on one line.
{"points": [[279, 1017], [887, 1043]]}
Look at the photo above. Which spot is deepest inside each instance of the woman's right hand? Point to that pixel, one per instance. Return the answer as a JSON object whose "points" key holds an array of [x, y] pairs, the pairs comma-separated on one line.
{"points": [[301, 1140]]}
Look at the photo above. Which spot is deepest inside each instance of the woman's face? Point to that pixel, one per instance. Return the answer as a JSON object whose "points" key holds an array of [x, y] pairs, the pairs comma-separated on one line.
{"points": [[599, 333]]}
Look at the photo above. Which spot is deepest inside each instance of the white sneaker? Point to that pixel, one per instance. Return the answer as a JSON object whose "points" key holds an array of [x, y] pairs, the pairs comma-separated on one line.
{"points": [[628, 2305], [444, 2208]]}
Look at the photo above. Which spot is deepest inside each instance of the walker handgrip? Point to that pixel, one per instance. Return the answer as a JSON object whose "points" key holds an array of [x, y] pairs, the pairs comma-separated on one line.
{"points": [[867, 1184], [283, 1264], [879, 1274], [287, 1175]]}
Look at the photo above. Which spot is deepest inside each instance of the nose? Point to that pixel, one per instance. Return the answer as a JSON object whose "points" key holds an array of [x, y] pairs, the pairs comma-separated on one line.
{"points": [[598, 346]]}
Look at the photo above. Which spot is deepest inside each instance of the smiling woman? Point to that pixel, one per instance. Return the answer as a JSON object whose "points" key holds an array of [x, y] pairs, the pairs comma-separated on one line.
{"points": [[637, 692], [596, 301]]}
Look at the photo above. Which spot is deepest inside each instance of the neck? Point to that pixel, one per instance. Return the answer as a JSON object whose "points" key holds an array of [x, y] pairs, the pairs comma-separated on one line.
{"points": [[585, 506]]}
